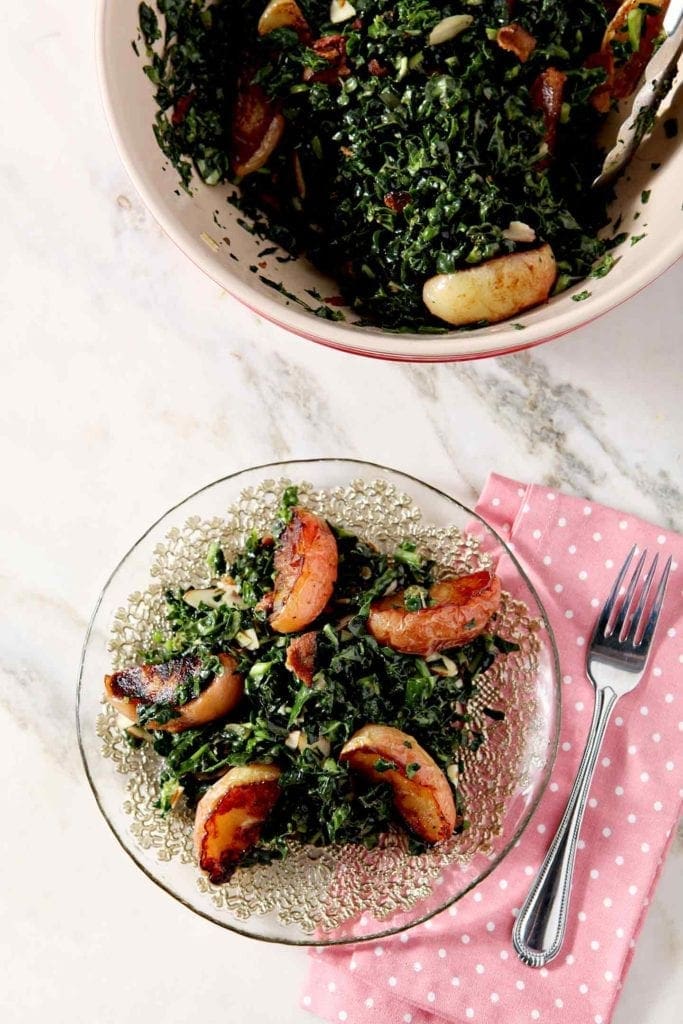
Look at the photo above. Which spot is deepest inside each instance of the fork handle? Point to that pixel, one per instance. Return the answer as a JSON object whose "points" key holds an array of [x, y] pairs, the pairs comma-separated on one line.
{"points": [[540, 926]]}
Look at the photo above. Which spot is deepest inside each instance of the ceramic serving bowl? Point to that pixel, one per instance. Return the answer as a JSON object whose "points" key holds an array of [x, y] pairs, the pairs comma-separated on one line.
{"points": [[227, 252], [334, 894]]}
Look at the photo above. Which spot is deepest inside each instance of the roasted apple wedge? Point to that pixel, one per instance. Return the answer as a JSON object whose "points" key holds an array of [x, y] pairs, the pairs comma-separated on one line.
{"points": [[141, 685], [283, 14], [230, 815], [461, 609], [306, 563], [422, 794], [493, 290], [257, 127]]}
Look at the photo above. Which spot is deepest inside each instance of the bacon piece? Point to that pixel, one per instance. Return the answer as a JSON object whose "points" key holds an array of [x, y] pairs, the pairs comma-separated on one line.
{"points": [[333, 50], [181, 108], [546, 95], [377, 69], [516, 40], [301, 656], [397, 200], [601, 95]]}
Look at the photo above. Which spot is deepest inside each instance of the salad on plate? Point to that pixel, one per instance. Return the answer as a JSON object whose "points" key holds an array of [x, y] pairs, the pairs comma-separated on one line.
{"points": [[315, 692]]}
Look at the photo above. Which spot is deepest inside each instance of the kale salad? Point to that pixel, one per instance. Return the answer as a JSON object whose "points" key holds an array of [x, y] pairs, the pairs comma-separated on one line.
{"points": [[316, 691], [405, 145]]}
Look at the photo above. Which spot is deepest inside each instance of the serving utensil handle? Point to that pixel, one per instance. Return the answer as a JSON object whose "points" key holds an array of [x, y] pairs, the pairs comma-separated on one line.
{"points": [[540, 926]]}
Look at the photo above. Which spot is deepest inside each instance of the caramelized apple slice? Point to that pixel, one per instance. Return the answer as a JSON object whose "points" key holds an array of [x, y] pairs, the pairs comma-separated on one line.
{"points": [[494, 290], [283, 14], [257, 128], [461, 611], [422, 794], [230, 815], [305, 571], [153, 684]]}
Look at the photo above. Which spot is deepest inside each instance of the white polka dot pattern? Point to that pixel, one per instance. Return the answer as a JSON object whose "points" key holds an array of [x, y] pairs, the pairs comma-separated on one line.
{"points": [[570, 549]]}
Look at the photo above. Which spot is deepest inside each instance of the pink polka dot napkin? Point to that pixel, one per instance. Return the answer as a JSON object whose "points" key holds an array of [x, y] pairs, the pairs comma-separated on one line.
{"points": [[460, 966]]}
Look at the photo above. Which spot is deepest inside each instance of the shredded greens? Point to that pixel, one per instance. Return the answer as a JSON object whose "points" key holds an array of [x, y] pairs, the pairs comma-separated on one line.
{"points": [[303, 727], [411, 163]]}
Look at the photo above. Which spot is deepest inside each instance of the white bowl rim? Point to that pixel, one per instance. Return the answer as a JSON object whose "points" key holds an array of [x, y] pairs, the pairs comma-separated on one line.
{"points": [[346, 337]]}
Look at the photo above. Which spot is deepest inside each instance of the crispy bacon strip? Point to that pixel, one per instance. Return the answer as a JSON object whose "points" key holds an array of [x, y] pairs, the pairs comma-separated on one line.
{"points": [[301, 656], [333, 49], [546, 95], [397, 200], [377, 69], [516, 40]]}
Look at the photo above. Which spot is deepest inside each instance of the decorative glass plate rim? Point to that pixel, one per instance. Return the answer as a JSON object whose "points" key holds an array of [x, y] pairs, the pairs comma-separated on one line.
{"points": [[312, 941]]}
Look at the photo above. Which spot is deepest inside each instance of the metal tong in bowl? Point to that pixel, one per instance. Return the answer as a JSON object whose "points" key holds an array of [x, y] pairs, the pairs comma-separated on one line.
{"points": [[659, 76]]}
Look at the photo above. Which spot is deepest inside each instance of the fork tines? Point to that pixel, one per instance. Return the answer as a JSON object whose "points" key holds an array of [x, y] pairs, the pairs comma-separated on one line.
{"points": [[623, 625]]}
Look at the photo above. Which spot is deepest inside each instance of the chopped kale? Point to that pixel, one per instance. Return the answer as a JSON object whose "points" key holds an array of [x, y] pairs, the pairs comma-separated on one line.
{"points": [[413, 159], [356, 681]]}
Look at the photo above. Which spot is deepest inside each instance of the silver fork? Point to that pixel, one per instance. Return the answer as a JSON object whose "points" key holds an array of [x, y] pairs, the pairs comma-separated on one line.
{"points": [[615, 662]]}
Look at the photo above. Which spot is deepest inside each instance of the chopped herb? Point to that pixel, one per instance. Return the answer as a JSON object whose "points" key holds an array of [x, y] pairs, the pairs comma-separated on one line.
{"points": [[671, 127], [412, 770], [149, 25], [215, 559], [288, 502], [645, 195], [603, 266], [325, 313], [580, 296], [637, 238]]}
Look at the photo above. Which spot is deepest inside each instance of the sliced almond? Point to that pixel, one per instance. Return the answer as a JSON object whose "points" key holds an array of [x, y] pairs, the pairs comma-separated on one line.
{"points": [[341, 10], [518, 231], [449, 28]]}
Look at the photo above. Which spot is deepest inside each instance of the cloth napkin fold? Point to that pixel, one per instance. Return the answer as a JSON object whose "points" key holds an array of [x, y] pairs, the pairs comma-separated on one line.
{"points": [[460, 966]]}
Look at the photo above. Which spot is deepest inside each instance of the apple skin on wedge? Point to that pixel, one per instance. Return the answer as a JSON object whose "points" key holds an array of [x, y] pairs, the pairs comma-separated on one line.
{"points": [[145, 684], [422, 794], [461, 611], [306, 563], [230, 815]]}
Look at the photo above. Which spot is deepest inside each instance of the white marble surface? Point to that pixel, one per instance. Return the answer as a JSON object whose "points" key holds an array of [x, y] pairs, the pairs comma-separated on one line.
{"points": [[128, 380]]}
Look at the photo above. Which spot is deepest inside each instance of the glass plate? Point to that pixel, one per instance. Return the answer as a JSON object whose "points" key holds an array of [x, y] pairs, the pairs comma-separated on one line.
{"points": [[341, 893]]}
